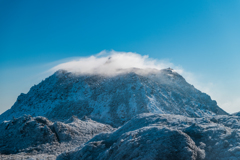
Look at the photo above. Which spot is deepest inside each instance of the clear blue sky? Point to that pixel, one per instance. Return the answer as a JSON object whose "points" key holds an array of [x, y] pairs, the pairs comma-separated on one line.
{"points": [[201, 36]]}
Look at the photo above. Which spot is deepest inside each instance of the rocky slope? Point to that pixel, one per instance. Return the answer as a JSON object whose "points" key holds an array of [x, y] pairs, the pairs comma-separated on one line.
{"points": [[165, 137], [38, 135], [113, 99]]}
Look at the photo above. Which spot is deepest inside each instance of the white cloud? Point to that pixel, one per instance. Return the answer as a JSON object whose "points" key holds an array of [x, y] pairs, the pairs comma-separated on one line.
{"points": [[110, 62]]}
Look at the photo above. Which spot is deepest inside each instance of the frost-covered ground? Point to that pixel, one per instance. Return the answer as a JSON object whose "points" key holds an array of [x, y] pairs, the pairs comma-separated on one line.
{"points": [[24, 156], [39, 136], [166, 137], [145, 136]]}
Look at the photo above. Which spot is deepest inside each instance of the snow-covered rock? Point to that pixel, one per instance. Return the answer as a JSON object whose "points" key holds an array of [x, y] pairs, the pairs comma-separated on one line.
{"points": [[144, 143], [236, 114], [113, 99], [38, 135], [159, 136]]}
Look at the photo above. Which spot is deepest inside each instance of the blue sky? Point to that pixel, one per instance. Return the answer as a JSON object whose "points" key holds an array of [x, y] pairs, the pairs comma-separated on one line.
{"points": [[203, 37]]}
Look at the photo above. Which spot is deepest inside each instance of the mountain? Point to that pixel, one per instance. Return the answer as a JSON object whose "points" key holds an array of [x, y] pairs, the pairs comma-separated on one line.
{"points": [[113, 99]]}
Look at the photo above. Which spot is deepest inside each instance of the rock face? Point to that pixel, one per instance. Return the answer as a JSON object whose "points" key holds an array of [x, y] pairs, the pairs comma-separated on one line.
{"points": [[38, 135], [113, 99], [164, 137]]}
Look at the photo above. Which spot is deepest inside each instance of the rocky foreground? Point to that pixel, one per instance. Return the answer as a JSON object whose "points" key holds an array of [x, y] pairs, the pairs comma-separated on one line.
{"points": [[38, 136], [165, 137], [146, 136]]}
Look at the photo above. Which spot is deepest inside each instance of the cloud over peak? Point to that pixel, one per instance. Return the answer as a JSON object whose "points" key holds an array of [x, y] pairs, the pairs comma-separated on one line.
{"points": [[110, 62]]}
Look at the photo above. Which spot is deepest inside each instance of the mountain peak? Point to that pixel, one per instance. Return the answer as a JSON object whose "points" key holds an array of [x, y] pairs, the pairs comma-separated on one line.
{"points": [[113, 99]]}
